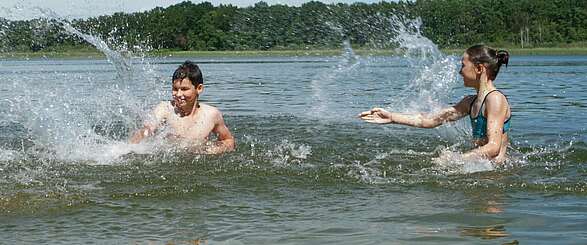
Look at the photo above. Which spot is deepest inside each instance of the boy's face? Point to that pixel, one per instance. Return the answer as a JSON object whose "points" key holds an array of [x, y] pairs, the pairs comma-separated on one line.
{"points": [[185, 94]]}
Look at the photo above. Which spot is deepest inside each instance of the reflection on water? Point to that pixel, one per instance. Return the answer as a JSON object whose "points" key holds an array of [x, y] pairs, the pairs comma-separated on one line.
{"points": [[487, 232], [175, 242], [514, 242]]}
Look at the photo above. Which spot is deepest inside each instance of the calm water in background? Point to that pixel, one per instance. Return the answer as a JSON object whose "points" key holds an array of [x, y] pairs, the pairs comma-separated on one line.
{"points": [[306, 171]]}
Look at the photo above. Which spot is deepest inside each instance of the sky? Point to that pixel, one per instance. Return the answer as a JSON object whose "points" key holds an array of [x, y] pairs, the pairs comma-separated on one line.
{"points": [[25, 9]]}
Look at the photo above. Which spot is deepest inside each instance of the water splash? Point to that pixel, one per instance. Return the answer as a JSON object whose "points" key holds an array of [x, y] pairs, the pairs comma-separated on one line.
{"points": [[435, 74], [287, 153], [429, 88], [324, 84], [410, 41], [370, 172], [452, 162], [121, 62], [9, 155], [57, 119]]}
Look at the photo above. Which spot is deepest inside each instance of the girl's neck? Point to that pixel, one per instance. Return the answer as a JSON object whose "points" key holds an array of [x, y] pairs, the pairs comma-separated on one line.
{"points": [[484, 88]]}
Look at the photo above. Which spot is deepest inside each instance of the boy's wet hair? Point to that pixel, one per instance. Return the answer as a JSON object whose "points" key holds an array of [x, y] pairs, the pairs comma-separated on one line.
{"points": [[190, 71], [492, 59]]}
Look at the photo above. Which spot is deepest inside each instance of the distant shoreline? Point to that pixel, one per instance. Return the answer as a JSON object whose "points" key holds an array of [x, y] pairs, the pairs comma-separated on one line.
{"points": [[94, 54]]}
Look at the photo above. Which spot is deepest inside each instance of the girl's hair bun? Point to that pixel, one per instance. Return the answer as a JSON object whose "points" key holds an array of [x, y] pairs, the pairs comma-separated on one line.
{"points": [[503, 57]]}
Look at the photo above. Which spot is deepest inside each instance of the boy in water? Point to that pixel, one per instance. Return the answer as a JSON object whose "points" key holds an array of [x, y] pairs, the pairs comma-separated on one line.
{"points": [[190, 122]]}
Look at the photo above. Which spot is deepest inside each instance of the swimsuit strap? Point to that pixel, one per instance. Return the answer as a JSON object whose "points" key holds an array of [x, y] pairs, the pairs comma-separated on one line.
{"points": [[483, 103], [471, 106]]}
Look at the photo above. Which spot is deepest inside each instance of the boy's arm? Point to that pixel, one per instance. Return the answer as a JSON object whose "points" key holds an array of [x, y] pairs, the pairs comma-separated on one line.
{"points": [[142, 133], [158, 116], [225, 141]]}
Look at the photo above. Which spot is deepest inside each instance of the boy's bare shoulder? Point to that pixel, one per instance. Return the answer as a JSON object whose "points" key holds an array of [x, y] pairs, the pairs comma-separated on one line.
{"points": [[164, 105], [163, 108], [211, 110]]}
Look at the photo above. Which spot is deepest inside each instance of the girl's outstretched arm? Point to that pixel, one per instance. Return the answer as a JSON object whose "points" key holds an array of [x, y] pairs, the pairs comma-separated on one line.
{"points": [[420, 120]]}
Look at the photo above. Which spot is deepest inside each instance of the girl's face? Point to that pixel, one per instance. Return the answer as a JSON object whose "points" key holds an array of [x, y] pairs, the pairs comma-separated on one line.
{"points": [[470, 72]]}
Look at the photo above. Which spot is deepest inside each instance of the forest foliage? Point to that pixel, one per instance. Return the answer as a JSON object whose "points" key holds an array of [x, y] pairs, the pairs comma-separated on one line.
{"points": [[313, 25]]}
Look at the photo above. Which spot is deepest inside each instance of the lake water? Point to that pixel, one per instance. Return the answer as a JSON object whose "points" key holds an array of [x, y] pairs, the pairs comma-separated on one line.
{"points": [[306, 170]]}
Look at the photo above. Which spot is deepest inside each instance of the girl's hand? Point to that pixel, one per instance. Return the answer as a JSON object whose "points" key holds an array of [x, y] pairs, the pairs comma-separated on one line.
{"points": [[376, 115]]}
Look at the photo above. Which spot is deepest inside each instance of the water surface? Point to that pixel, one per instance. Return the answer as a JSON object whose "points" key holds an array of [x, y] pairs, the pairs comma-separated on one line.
{"points": [[306, 170]]}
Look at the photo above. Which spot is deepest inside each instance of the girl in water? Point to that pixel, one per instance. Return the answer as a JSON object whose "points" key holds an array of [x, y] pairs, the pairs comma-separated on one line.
{"points": [[488, 110]]}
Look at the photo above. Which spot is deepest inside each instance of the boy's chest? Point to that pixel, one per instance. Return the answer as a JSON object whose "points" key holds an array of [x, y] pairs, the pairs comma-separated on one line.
{"points": [[191, 128]]}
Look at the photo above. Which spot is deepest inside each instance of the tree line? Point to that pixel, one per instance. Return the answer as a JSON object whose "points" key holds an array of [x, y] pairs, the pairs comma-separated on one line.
{"points": [[313, 25]]}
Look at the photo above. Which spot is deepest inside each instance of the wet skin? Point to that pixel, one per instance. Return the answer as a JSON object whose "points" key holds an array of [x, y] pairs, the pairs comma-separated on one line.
{"points": [[190, 122]]}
